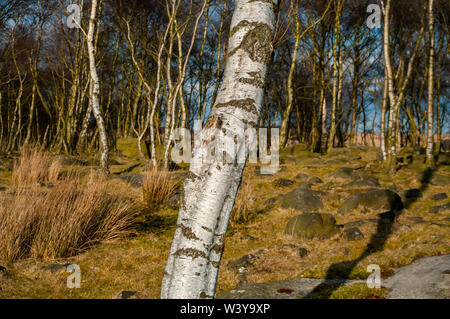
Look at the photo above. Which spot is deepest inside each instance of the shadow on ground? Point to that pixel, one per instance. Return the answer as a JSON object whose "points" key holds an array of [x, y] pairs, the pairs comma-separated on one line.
{"points": [[342, 270]]}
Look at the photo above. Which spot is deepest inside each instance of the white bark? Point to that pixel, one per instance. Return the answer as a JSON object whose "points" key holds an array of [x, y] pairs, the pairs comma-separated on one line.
{"points": [[430, 103], [96, 89], [210, 189]]}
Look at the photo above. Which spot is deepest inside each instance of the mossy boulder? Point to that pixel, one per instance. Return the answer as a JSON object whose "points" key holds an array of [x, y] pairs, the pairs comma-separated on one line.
{"points": [[364, 182], [311, 225], [440, 180], [302, 199], [347, 173], [374, 200]]}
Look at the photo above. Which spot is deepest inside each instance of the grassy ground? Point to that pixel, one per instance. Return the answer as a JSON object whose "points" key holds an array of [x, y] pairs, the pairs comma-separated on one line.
{"points": [[136, 263]]}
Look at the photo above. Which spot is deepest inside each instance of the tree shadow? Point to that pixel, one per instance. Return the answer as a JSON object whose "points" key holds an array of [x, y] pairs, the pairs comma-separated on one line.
{"points": [[342, 270]]}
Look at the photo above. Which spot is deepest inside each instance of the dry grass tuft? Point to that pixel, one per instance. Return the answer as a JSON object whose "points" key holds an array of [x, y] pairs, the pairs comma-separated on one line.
{"points": [[243, 203], [62, 221], [35, 166], [157, 187]]}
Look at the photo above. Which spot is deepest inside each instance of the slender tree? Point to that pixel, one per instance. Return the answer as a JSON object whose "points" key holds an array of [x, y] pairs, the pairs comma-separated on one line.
{"points": [[210, 188]]}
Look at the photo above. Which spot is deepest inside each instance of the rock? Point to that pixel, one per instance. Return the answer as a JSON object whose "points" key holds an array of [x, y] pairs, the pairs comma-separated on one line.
{"points": [[302, 252], [440, 208], [283, 182], [287, 289], [270, 202], [423, 279], [125, 294], [310, 225], [178, 176], [135, 180], [315, 180], [302, 199], [354, 224], [346, 173], [248, 237], [301, 176], [2, 268], [439, 196], [174, 200], [243, 262], [374, 200], [304, 185], [402, 227], [439, 180], [364, 182], [353, 233], [412, 193]]}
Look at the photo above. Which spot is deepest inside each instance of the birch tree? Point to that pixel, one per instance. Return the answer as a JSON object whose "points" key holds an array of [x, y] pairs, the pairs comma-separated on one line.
{"points": [[210, 189], [430, 101], [94, 94]]}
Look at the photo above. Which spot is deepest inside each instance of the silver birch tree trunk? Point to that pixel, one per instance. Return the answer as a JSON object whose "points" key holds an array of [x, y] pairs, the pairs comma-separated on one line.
{"points": [[96, 90], [430, 102], [210, 189]]}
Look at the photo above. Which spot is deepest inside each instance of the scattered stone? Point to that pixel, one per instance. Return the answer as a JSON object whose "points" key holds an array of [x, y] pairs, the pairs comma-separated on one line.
{"points": [[270, 202], [310, 225], [243, 262], [364, 182], [301, 176], [402, 227], [135, 180], [125, 294], [174, 200], [375, 200], [248, 237], [439, 196], [304, 185], [303, 252], [178, 176], [315, 180], [423, 279], [283, 182], [302, 199], [354, 224], [346, 173], [439, 180], [353, 233], [440, 208]]}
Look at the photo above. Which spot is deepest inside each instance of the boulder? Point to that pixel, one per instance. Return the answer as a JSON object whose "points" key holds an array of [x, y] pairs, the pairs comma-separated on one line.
{"points": [[302, 199], [346, 173], [283, 182], [243, 262], [439, 196], [315, 180], [440, 180], [353, 233], [375, 200], [440, 208], [311, 225], [364, 182], [301, 176]]}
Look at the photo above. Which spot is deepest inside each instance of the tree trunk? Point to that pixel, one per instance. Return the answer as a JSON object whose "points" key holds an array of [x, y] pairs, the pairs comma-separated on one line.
{"points": [[96, 90], [430, 102], [210, 189]]}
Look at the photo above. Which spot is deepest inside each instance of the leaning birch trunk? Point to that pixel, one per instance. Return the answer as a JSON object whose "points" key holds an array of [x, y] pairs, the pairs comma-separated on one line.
{"points": [[96, 90], [210, 189], [430, 104]]}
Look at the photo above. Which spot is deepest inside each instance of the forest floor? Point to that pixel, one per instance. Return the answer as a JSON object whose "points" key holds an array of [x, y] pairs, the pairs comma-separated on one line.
{"points": [[259, 250]]}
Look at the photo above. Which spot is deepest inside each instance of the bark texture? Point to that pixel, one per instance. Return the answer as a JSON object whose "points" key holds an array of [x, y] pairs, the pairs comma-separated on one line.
{"points": [[210, 189]]}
